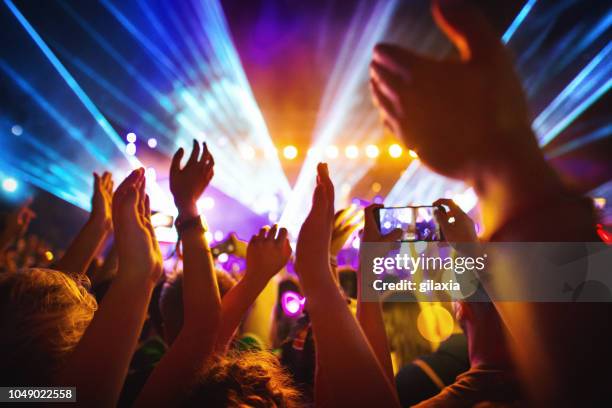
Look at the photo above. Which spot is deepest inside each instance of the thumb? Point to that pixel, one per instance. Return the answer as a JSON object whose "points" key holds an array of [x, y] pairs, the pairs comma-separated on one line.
{"points": [[467, 28]]}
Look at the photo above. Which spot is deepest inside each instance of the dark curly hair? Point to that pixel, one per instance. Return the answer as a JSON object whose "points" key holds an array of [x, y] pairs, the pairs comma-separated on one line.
{"points": [[245, 379]]}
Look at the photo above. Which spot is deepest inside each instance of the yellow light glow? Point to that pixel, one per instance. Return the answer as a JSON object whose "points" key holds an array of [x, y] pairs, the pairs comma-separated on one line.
{"points": [[376, 187], [395, 150], [49, 256], [351, 151], [435, 323], [372, 151], [290, 152], [413, 154]]}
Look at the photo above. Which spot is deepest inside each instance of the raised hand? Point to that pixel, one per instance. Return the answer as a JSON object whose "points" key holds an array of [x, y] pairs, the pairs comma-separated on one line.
{"points": [[458, 115], [344, 226], [267, 253], [188, 184], [312, 252], [456, 225], [138, 251], [101, 200], [17, 224]]}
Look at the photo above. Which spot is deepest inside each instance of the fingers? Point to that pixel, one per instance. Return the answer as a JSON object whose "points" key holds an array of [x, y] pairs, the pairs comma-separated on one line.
{"points": [[262, 232], [175, 165], [395, 59], [387, 82], [272, 233], [467, 28], [282, 235], [454, 208], [393, 236], [195, 154], [323, 176], [388, 111]]}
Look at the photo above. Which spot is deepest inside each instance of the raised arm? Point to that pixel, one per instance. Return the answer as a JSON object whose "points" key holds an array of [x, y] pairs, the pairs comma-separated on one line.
{"points": [[194, 345], [352, 376], [99, 364], [17, 224], [267, 254], [369, 314], [90, 238]]}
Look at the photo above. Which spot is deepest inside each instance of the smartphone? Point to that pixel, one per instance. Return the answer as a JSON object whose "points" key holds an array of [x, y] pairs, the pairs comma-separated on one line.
{"points": [[417, 223]]}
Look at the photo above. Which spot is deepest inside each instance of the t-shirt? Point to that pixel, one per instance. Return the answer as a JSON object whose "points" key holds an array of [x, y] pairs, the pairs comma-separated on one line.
{"points": [[474, 386], [429, 374]]}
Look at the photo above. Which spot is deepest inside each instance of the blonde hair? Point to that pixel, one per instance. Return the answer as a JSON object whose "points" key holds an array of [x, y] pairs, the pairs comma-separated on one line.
{"points": [[43, 315], [245, 379]]}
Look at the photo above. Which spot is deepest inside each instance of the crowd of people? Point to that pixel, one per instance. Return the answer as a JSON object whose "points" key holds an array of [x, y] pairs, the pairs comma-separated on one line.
{"points": [[125, 332]]}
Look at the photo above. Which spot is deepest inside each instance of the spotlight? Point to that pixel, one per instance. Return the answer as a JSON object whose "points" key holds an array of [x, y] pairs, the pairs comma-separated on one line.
{"points": [[247, 152], [49, 256], [223, 257], [376, 187], [9, 185], [208, 236], [413, 154], [152, 142], [17, 130], [331, 151], [395, 150], [218, 235], [351, 151], [131, 137], [372, 151], [290, 152], [130, 149], [206, 203]]}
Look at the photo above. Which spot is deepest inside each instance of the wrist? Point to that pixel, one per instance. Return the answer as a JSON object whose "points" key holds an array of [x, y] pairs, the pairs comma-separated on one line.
{"points": [[187, 209], [100, 223]]}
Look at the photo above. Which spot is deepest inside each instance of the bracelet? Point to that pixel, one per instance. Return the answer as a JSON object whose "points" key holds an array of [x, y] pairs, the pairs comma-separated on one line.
{"points": [[185, 225]]}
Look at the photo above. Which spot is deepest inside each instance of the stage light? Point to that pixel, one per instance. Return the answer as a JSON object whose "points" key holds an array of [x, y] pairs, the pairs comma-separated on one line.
{"points": [[413, 154], [331, 152], [9, 185], [247, 152], [372, 151], [290, 152], [152, 142], [49, 256], [206, 203], [376, 187], [356, 242], [17, 130], [218, 235], [208, 236], [351, 152], [395, 150], [131, 137], [130, 149], [223, 257]]}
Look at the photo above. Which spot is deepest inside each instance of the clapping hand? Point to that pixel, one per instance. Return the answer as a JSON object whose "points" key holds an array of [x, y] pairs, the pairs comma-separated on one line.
{"points": [[267, 253], [459, 116], [188, 184], [137, 247], [312, 252], [101, 201]]}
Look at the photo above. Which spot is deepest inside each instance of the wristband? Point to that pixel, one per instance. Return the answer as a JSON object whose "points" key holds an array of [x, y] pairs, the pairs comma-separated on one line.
{"points": [[185, 225]]}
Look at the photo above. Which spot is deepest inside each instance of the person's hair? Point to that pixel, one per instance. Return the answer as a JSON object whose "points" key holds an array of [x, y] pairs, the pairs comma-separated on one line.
{"points": [[43, 315], [401, 325], [244, 379], [171, 301], [348, 281]]}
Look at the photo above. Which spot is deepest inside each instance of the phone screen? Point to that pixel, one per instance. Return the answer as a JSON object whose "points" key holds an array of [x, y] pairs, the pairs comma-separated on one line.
{"points": [[416, 223]]}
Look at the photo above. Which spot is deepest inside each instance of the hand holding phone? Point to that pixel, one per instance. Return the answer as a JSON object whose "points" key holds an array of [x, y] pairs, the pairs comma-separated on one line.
{"points": [[418, 223]]}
